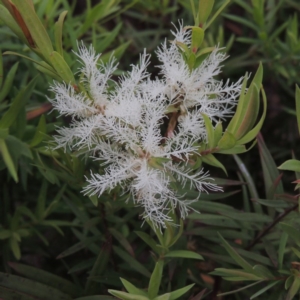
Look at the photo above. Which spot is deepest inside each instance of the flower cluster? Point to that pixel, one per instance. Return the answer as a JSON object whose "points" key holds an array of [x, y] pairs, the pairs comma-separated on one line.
{"points": [[144, 131]]}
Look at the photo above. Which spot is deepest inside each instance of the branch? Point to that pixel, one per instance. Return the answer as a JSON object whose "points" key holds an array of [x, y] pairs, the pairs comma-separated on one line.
{"points": [[270, 226]]}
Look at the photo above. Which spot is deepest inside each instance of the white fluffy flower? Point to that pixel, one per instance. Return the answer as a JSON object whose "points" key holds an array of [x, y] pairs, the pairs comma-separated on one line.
{"points": [[127, 126]]}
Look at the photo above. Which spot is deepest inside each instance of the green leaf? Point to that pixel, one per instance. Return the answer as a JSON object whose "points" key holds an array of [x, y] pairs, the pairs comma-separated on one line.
{"points": [[132, 289], [148, 240], [46, 278], [221, 8], [235, 275], [7, 294], [97, 13], [290, 165], [248, 217], [132, 262], [122, 240], [184, 254], [209, 131], [5, 234], [155, 279], [239, 260], [297, 96], [218, 133], [126, 296], [250, 182], [58, 28], [7, 85], [240, 289], [197, 38], [97, 297], [163, 297], [18, 103], [294, 289], [8, 160], [204, 10], [178, 293], [111, 36], [227, 141], [263, 272], [212, 161], [282, 245], [291, 231], [99, 267], [40, 132], [36, 28], [263, 290], [10, 22], [272, 184], [31, 288], [117, 53], [253, 132], [62, 68]]}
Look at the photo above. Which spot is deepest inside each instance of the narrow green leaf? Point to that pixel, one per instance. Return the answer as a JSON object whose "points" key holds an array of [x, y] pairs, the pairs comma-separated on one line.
{"points": [[39, 135], [7, 85], [8, 294], [240, 289], [39, 63], [178, 293], [227, 141], [204, 10], [253, 132], [36, 28], [126, 296], [10, 22], [235, 275], [62, 68], [132, 289], [178, 235], [97, 297], [248, 217], [99, 267], [122, 240], [291, 231], [209, 131], [31, 288], [294, 289], [5, 234], [46, 278], [263, 290], [107, 41], [212, 161], [9, 117], [197, 38], [163, 297], [148, 240], [270, 172], [281, 250], [221, 8], [58, 28], [184, 254], [250, 182], [263, 272], [290, 165], [8, 160], [132, 262], [297, 96], [244, 264], [155, 279], [117, 53], [218, 133]]}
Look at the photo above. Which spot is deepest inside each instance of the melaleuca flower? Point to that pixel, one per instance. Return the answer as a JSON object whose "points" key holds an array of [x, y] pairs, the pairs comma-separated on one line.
{"points": [[196, 89], [143, 132]]}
